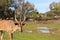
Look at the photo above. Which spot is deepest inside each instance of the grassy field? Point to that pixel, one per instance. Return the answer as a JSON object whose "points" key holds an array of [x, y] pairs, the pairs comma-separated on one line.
{"points": [[35, 35]]}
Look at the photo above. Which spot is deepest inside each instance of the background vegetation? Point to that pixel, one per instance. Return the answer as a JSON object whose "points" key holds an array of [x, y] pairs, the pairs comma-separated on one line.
{"points": [[33, 19]]}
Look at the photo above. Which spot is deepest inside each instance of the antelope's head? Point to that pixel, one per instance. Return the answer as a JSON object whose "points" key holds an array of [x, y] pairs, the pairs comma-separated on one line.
{"points": [[19, 26]]}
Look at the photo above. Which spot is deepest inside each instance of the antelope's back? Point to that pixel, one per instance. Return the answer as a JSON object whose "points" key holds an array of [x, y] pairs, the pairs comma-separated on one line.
{"points": [[6, 25]]}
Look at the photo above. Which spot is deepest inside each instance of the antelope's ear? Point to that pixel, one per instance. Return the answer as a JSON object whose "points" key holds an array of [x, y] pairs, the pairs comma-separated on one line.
{"points": [[23, 24]]}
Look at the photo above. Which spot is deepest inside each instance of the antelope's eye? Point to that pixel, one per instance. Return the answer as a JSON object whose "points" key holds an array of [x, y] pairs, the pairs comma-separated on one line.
{"points": [[16, 23]]}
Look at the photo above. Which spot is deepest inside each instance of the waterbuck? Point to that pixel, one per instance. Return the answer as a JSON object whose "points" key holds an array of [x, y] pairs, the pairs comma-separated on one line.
{"points": [[9, 26]]}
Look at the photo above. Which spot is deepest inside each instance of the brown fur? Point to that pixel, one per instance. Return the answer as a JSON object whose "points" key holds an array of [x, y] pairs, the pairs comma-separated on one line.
{"points": [[8, 26]]}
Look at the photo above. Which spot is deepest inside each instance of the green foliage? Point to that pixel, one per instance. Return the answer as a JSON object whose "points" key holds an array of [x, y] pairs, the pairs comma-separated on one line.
{"points": [[49, 14], [27, 8], [35, 15], [55, 8], [3, 2]]}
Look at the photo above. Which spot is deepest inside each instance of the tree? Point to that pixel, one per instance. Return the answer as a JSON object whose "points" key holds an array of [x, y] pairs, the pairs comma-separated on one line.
{"points": [[35, 15], [27, 7], [25, 10], [55, 8], [3, 8]]}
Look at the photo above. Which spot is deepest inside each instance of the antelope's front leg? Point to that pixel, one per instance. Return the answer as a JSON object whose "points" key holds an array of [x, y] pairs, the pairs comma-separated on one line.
{"points": [[2, 34], [11, 36]]}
